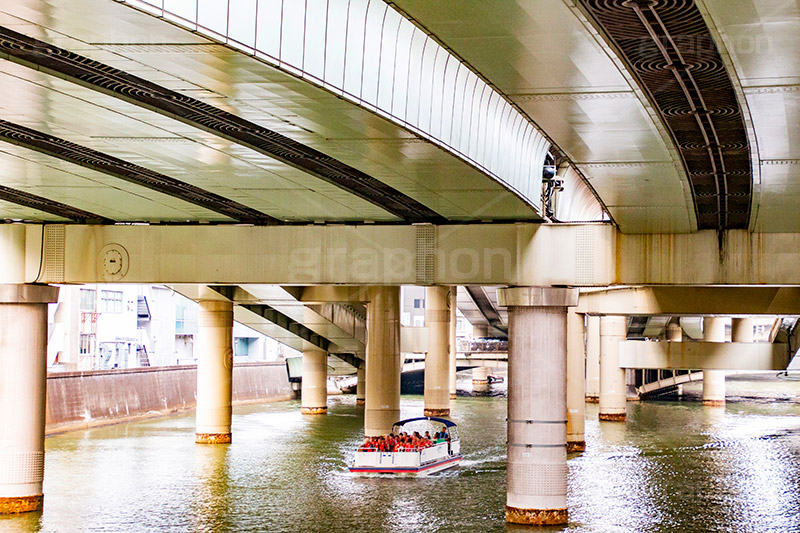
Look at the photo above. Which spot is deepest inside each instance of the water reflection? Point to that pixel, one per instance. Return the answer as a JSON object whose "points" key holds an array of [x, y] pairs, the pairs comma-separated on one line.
{"points": [[674, 466], [210, 499]]}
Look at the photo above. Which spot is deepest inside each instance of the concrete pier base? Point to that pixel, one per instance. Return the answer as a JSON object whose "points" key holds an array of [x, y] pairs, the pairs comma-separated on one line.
{"points": [[436, 412], [576, 446], [612, 377], [21, 504], [536, 517], [536, 488], [314, 396], [212, 438], [612, 417], [437, 359], [382, 406], [23, 365], [214, 347]]}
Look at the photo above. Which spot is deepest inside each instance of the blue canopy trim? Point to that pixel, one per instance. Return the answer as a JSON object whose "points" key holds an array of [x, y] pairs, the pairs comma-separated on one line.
{"points": [[443, 421]]}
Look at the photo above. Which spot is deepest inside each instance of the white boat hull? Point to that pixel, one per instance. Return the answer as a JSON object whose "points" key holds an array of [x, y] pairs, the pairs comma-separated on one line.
{"points": [[414, 464]]}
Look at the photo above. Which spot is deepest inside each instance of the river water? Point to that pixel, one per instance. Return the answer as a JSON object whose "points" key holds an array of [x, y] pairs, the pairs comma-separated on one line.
{"points": [[673, 466]]}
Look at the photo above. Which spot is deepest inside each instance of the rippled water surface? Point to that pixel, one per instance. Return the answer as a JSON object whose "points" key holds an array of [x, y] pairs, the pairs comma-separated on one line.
{"points": [[674, 466]]}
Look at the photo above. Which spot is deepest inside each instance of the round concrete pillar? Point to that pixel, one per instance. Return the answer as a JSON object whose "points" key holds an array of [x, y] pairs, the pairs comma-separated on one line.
{"points": [[742, 330], [592, 359], [631, 393], [314, 395], [576, 365], [537, 431], [612, 377], [361, 385], [674, 333], [214, 347], [452, 336], [437, 360], [382, 401], [714, 380], [23, 383], [480, 375]]}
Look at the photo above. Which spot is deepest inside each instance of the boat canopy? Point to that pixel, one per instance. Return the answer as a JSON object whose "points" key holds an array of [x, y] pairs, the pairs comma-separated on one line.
{"points": [[443, 421]]}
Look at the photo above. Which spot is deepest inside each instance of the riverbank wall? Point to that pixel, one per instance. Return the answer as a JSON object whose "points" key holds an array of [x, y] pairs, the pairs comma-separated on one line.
{"points": [[80, 400]]}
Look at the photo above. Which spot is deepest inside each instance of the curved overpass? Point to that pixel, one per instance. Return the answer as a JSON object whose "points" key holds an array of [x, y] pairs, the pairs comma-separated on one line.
{"points": [[153, 123]]}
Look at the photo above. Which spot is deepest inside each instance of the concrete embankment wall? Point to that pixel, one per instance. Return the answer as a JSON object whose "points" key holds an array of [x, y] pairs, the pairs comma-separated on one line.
{"points": [[78, 400]]}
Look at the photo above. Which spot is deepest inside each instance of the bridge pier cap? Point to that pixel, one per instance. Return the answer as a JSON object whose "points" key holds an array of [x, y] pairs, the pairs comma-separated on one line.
{"points": [[536, 491], [537, 297]]}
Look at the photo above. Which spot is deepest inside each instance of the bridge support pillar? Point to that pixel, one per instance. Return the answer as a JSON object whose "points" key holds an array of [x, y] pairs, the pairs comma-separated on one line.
{"points": [[714, 380], [382, 401], [314, 394], [480, 375], [537, 404], [214, 372], [612, 377], [592, 359], [452, 336], [742, 330], [576, 403], [674, 333], [631, 393], [361, 385], [437, 360], [23, 374]]}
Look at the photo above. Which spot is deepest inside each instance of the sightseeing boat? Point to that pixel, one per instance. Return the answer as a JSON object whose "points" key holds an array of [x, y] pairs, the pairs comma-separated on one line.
{"points": [[439, 456]]}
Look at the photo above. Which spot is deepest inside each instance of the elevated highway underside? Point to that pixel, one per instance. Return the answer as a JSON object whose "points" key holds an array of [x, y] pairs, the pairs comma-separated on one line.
{"points": [[567, 163]]}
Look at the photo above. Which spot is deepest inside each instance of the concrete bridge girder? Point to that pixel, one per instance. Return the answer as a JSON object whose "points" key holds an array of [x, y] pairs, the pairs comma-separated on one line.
{"points": [[584, 255], [705, 355], [693, 301], [274, 312]]}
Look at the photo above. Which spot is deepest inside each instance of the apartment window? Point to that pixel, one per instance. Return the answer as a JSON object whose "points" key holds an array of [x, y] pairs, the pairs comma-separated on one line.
{"points": [[241, 346], [86, 344], [419, 303], [88, 302], [111, 301]]}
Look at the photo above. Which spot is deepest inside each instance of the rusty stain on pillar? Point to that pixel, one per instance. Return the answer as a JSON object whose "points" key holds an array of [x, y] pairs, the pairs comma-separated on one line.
{"points": [[214, 348], [576, 402], [23, 371], [437, 359]]}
